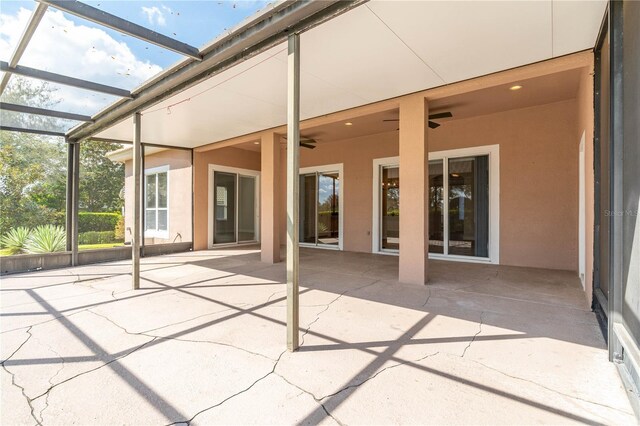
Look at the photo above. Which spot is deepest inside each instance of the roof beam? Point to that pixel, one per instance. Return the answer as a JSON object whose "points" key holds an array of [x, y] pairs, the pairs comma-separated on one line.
{"points": [[32, 25], [42, 111], [63, 79], [267, 30], [116, 23], [32, 131]]}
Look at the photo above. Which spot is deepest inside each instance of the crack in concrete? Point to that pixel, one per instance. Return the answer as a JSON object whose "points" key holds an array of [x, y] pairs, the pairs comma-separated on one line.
{"points": [[240, 305], [473, 339], [328, 305], [43, 322], [428, 297], [373, 376], [211, 342], [13, 377], [273, 294], [319, 401], [275, 365], [137, 348], [51, 384], [551, 389], [53, 299], [189, 421]]}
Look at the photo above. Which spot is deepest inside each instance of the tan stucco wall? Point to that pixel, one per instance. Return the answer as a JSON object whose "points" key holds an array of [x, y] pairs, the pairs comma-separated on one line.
{"points": [[538, 175], [586, 124], [179, 179], [538, 180], [229, 157]]}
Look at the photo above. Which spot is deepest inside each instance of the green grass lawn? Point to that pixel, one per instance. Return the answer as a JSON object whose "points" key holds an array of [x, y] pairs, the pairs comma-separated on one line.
{"points": [[5, 252], [99, 246]]}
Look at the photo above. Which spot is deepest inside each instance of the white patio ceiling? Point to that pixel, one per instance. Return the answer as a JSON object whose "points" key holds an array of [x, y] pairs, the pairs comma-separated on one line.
{"points": [[377, 51]]}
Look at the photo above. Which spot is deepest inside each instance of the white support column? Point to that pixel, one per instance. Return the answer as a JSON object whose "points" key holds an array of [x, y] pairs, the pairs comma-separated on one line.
{"points": [[293, 183], [414, 181], [136, 235]]}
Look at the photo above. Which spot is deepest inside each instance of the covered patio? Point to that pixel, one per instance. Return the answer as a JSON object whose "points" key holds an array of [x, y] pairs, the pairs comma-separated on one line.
{"points": [[203, 341]]}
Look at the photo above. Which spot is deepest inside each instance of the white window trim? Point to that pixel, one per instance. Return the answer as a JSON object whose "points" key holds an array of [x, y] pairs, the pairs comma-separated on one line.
{"points": [[325, 168], [493, 151], [154, 233], [243, 172]]}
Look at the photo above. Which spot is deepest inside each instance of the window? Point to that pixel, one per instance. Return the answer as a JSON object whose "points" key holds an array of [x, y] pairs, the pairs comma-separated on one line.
{"points": [[156, 212]]}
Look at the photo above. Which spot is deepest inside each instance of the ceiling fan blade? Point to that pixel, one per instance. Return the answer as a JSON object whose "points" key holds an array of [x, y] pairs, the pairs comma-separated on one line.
{"points": [[438, 115], [306, 145], [392, 119], [308, 140], [433, 125]]}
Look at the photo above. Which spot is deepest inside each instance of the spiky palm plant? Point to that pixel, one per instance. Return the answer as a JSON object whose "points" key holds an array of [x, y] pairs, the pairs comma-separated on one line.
{"points": [[14, 241], [46, 239]]}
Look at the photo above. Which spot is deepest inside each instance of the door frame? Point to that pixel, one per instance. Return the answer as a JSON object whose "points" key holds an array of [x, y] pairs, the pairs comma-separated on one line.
{"points": [[212, 168], [324, 169]]}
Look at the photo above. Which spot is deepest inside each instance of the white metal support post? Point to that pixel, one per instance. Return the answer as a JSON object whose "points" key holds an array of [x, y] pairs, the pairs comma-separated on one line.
{"points": [[136, 233], [293, 200]]}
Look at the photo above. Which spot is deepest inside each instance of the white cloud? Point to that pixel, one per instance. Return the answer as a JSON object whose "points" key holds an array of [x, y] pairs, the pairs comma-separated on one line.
{"points": [[80, 51], [155, 15]]}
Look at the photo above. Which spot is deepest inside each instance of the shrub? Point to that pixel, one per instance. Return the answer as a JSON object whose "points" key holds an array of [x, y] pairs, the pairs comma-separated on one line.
{"points": [[90, 221], [46, 239], [119, 231], [94, 237], [15, 240]]}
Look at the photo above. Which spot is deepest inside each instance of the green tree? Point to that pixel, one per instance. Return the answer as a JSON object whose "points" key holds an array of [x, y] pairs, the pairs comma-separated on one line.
{"points": [[101, 180], [31, 167]]}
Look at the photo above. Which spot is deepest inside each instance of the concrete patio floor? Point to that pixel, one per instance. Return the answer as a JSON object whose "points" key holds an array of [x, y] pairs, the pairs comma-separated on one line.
{"points": [[203, 343]]}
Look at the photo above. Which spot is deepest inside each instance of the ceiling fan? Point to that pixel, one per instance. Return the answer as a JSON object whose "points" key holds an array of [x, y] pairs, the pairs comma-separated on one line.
{"points": [[432, 124], [305, 142]]}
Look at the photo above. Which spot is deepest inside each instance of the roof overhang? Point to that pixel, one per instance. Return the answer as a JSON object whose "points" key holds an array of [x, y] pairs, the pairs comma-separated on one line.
{"points": [[374, 52]]}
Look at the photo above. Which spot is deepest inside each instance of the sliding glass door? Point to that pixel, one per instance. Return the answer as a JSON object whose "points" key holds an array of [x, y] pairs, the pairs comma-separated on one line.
{"points": [[462, 191], [320, 208], [390, 208], [459, 206], [234, 208]]}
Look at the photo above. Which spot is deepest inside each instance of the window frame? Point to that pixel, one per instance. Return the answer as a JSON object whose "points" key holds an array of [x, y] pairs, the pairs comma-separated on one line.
{"points": [[156, 233]]}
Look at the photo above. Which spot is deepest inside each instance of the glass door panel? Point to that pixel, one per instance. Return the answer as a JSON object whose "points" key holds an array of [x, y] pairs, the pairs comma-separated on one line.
{"points": [[328, 209], [436, 207], [224, 215], [390, 208], [308, 206], [468, 206], [246, 208]]}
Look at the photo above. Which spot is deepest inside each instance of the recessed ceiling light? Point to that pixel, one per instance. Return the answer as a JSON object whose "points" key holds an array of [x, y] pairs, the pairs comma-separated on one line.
{"points": [[516, 87], [256, 143], [348, 123]]}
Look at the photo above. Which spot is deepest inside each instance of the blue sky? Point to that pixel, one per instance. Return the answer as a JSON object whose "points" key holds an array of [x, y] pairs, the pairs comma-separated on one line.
{"points": [[71, 46], [192, 22]]}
